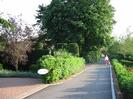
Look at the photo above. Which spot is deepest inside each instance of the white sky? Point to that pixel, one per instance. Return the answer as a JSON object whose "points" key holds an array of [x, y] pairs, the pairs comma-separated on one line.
{"points": [[27, 8], [123, 16]]}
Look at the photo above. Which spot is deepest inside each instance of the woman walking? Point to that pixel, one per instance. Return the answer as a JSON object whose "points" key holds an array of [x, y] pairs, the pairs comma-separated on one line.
{"points": [[106, 60]]}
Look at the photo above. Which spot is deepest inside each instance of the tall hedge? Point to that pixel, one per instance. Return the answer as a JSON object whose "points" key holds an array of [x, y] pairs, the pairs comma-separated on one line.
{"points": [[60, 66]]}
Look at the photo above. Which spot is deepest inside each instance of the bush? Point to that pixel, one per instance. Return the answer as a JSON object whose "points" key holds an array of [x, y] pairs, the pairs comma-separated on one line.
{"points": [[125, 78], [46, 61], [60, 66]]}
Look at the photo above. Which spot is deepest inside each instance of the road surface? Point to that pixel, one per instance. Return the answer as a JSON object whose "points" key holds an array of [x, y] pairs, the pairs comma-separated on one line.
{"points": [[94, 83]]}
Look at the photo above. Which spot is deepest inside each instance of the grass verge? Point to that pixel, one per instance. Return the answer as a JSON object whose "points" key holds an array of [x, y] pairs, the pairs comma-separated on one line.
{"points": [[7, 73]]}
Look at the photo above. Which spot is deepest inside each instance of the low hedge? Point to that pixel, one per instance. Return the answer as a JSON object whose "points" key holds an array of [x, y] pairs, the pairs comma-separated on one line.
{"points": [[125, 78], [60, 66], [9, 73]]}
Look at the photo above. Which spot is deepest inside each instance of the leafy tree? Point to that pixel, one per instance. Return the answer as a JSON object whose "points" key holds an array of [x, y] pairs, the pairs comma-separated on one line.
{"points": [[114, 48], [127, 44], [86, 22], [123, 48], [18, 42]]}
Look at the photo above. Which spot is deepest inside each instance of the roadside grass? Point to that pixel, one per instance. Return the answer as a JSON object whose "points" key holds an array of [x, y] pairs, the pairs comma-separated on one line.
{"points": [[9, 73]]}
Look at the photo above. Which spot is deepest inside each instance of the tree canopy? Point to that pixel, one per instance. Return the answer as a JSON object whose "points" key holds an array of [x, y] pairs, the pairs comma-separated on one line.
{"points": [[86, 22]]}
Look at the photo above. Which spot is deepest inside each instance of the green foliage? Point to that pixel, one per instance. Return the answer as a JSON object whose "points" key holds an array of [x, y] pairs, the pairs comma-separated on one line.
{"points": [[5, 23], [39, 46], [62, 53], [47, 61], [73, 48], [93, 56], [114, 48], [125, 78], [53, 75], [34, 68], [126, 44], [1, 66], [2, 44], [61, 46], [85, 22], [122, 49], [60, 66], [127, 63], [129, 57], [70, 47]]}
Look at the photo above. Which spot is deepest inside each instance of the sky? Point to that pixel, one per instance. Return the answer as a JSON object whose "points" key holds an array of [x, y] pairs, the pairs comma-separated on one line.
{"points": [[123, 17], [27, 8]]}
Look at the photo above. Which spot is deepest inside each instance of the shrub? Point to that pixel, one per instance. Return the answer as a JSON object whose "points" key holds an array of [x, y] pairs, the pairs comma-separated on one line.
{"points": [[46, 61], [125, 78], [53, 75], [60, 66]]}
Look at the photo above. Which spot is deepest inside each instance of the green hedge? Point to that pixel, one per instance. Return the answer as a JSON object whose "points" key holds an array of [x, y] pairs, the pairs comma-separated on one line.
{"points": [[60, 66], [125, 78]]}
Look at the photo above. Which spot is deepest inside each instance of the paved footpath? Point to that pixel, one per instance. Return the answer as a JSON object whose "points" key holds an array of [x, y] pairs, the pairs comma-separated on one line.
{"points": [[94, 83], [17, 88]]}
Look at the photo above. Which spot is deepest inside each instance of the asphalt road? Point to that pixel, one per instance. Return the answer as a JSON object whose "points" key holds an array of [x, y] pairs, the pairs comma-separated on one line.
{"points": [[94, 83]]}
